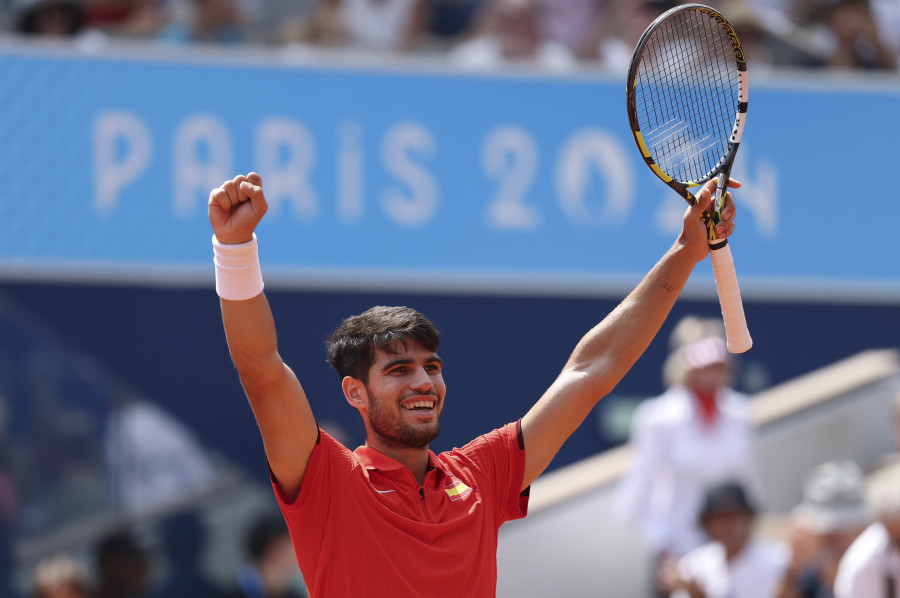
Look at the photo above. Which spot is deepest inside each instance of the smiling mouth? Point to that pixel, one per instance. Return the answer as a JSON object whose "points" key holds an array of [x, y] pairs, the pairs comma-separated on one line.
{"points": [[419, 406]]}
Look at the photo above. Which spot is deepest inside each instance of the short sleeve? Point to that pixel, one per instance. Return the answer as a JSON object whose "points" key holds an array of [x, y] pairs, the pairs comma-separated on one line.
{"points": [[500, 456], [328, 460]]}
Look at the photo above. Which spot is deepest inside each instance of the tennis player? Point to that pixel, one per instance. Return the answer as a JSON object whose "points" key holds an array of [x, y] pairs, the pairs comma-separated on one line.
{"points": [[392, 518]]}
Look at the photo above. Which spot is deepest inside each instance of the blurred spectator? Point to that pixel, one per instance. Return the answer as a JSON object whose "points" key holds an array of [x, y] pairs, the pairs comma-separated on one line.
{"points": [[123, 565], [830, 517], [774, 15], [450, 20], [279, 21], [59, 577], [573, 23], [183, 541], [272, 570], [851, 36], [694, 436], [736, 563], [887, 16], [129, 18], [871, 566], [56, 18], [209, 22], [769, 38], [755, 34], [153, 459], [375, 25], [509, 33], [624, 26]]}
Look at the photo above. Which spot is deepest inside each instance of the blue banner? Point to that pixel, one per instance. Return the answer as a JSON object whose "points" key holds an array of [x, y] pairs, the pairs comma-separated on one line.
{"points": [[378, 176]]}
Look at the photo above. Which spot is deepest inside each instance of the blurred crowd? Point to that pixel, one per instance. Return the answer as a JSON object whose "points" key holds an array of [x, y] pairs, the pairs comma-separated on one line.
{"points": [[694, 492], [553, 34], [163, 562], [131, 506]]}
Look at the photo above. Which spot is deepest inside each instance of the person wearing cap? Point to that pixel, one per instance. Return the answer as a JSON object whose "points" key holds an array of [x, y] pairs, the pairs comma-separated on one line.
{"points": [[736, 562], [871, 566], [830, 516], [695, 435]]}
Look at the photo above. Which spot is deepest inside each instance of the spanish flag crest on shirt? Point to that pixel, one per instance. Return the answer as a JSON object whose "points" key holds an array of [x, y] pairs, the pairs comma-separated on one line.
{"points": [[456, 490]]}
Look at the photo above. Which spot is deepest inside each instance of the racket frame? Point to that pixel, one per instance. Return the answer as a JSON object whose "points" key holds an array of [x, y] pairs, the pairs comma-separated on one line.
{"points": [[738, 336], [723, 167]]}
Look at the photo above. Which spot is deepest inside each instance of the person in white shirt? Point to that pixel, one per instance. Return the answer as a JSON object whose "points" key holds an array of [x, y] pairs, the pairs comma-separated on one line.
{"points": [[736, 563], [697, 434], [509, 34], [871, 566], [153, 459], [380, 26]]}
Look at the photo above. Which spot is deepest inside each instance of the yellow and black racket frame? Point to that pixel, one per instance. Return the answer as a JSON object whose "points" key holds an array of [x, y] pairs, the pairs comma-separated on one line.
{"points": [[723, 167]]}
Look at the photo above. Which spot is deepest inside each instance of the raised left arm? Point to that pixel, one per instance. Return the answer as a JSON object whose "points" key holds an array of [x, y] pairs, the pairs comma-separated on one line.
{"points": [[606, 353]]}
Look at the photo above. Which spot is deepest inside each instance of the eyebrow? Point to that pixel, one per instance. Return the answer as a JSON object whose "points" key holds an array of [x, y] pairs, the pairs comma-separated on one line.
{"points": [[407, 361]]}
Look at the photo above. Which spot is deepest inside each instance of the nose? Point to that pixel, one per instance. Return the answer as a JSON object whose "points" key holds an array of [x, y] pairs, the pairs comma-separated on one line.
{"points": [[422, 381]]}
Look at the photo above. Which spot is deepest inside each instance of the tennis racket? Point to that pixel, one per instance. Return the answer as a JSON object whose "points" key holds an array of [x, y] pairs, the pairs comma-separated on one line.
{"points": [[687, 105]]}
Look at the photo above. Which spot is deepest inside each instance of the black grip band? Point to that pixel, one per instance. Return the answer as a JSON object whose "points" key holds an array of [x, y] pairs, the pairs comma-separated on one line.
{"points": [[718, 245]]}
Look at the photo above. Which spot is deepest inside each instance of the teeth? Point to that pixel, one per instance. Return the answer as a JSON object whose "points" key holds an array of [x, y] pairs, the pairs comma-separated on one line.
{"points": [[426, 404]]}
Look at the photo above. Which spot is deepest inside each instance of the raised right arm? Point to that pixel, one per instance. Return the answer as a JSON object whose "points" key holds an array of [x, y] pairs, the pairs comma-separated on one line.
{"points": [[279, 404]]}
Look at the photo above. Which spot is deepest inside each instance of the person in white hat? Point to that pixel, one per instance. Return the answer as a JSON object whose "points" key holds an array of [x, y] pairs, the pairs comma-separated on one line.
{"points": [[695, 435], [871, 566]]}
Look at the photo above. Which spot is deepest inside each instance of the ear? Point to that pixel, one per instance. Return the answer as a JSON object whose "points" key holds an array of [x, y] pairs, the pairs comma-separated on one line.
{"points": [[355, 392]]}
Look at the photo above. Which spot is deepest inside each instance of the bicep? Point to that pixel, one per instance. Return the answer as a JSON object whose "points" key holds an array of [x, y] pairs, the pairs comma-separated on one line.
{"points": [[555, 417], [279, 404], [286, 423]]}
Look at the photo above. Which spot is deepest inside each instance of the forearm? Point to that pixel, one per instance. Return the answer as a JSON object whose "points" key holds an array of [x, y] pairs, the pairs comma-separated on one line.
{"points": [[608, 350], [602, 358], [605, 354], [252, 339]]}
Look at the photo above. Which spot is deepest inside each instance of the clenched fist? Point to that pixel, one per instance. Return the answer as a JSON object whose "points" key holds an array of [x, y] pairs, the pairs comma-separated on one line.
{"points": [[236, 207]]}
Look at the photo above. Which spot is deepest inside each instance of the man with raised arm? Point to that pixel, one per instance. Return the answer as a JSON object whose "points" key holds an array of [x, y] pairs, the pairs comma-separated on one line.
{"points": [[392, 518]]}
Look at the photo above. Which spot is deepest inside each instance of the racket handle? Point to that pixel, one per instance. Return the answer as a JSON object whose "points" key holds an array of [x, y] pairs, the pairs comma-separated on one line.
{"points": [[736, 331]]}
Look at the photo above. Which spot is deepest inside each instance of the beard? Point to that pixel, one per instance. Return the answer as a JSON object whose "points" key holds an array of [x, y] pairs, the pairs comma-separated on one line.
{"points": [[397, 432]]}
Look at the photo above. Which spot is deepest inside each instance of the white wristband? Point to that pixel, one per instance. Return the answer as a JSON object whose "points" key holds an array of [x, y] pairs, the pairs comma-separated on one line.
{"points": [[238, 276]]}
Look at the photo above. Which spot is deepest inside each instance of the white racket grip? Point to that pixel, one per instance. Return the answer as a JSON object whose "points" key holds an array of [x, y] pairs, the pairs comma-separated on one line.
{"points": [[736, 331]]}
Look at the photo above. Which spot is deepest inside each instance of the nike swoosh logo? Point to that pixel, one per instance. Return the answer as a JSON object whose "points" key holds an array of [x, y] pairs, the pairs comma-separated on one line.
{"points": [[383, 491]]}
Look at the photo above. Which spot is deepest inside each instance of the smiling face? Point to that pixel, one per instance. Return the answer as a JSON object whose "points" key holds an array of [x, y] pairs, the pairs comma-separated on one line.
{"points": [[402, 401]]}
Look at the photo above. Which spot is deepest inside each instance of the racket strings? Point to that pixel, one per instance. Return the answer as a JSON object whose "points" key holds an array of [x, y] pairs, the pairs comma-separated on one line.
{"points": [[687, 94]]}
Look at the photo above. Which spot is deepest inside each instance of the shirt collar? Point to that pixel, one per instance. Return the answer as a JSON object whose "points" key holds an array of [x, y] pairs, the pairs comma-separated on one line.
{"points": [[374, 459]]}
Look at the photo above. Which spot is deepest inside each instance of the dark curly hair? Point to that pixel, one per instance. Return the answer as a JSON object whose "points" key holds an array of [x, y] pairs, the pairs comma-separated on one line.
{"points": [[351, 348]]}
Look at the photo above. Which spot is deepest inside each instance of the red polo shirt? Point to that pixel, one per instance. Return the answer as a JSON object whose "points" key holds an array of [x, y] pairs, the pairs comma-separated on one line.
{"points": [[362, 526]]}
